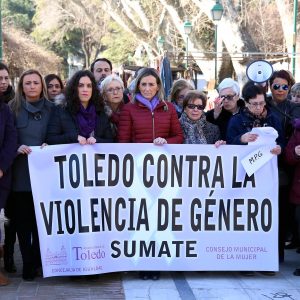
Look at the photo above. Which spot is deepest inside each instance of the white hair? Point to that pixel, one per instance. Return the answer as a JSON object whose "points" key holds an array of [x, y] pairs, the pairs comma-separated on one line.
{"points": [[107, 80], [229, 83]]}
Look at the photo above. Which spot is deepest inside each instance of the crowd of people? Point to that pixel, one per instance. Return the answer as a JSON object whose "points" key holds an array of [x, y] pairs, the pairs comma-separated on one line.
{"points": [[94, 107]]}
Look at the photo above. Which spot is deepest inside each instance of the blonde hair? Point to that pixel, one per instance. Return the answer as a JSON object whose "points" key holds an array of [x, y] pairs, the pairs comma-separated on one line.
{"points": [[17, 101], [177, 87]]}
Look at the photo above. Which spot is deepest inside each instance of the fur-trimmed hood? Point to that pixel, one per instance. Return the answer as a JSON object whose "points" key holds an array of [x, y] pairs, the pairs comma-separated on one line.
{"points": [[60, 100], [107, 109]]}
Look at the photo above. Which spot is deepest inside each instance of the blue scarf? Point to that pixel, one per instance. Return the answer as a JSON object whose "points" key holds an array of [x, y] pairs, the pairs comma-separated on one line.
{"points": [[86, 119], [151, 104]]}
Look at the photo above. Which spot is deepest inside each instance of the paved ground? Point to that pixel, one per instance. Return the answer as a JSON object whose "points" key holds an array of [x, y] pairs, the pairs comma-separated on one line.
{"points": [[174, 285]]}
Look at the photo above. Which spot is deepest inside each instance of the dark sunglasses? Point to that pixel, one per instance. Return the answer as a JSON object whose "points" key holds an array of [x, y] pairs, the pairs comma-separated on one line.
{"points": [[277, 86], [193, 106], [228, 97]]}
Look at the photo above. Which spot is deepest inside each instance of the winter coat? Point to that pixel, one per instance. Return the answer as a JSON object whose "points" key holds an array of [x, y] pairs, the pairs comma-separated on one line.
{"points": [[200, 131], [293, 159], [63, 127], [286, 111], [139, 125], [31, 122], [114, 117], [244, 122], [223, 119], [8, 95], [8, 149]]}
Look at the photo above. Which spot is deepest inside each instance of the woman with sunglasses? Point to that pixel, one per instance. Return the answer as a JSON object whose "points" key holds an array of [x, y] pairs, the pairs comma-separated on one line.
{"points": [[227, 104], [196, 129], [178, 92], [286, 111]]}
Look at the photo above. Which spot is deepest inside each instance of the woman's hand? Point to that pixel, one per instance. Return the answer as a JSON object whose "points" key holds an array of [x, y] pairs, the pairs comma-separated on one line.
{"points": [[297, 150], [1, 173], [91, 140], [219, 143], [218, 107], [276, 150], [249, 137], [160, 141], [81, 140], [24, 149]]}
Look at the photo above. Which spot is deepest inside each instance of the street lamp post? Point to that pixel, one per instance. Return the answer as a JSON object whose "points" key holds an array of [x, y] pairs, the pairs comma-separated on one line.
{"points": [[160, 43], [70, 61], [1, 51], [294, 37], [216, 13], [187, 30]]}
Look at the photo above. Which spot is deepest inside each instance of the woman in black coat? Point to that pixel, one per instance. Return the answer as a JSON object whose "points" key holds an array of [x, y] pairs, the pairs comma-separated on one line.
{"points": [[8, 147], [80, 117]]}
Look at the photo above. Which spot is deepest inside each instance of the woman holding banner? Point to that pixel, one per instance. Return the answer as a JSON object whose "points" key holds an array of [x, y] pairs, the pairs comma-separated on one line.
{"points": [[255, 114], [79, 117], [149, 119], [32, 111], [8, 146]]}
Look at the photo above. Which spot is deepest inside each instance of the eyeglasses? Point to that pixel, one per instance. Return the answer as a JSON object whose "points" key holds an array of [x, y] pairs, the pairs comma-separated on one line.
{"points": [[227, 97], [277, 86], [112, 90], [193, 106], [257, 104]]}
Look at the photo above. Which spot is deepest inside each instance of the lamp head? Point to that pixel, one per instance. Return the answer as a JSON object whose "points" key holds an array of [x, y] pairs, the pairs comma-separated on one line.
{"points": [[160, 42], [217, 11], [187, 27]]}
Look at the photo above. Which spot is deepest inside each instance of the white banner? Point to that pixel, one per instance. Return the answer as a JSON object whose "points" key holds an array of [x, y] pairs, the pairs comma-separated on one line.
{"points": [[123, 207]]}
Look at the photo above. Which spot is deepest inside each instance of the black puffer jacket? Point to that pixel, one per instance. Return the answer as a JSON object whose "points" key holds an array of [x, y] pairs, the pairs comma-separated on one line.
{"points": [[63, 127], [8, 95], [223, 119]]}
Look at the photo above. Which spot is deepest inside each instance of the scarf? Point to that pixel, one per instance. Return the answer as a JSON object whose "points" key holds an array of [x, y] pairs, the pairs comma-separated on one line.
{"points": [[257, 120], [86, 120], [150, 104], [296, 124], [194, 131]]}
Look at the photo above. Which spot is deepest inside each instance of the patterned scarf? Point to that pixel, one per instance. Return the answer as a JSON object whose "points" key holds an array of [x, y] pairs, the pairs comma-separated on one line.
{"points": [[257, 120], [193, 130]]}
